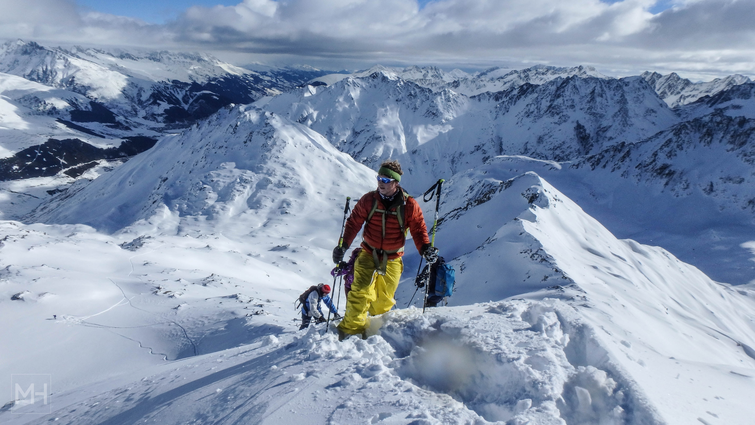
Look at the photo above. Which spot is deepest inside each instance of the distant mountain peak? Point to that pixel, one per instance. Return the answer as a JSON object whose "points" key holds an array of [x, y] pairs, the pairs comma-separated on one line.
{"points": [[677, 91]]}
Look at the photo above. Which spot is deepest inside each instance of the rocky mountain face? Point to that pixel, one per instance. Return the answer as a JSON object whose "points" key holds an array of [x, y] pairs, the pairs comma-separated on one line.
{"points": [[563, 119], [673, 159], [469, 84], [678, 91]]}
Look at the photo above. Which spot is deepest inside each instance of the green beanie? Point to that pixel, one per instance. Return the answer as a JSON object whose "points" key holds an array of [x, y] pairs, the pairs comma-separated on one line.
{"points": [[389, 173]]}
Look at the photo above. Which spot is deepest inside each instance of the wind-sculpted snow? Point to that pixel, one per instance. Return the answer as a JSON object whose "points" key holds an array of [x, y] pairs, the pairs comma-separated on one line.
{"points": [[543, 245]]}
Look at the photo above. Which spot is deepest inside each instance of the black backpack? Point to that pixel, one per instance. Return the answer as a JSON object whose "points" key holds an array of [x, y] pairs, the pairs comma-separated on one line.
{"points": [[303, 297]]}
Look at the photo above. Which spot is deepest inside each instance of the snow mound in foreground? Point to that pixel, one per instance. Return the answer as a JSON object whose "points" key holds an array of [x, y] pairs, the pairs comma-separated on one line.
{"points": [[507, 361]]}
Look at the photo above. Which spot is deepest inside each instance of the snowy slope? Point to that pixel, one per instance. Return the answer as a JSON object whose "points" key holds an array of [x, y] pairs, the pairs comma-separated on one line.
{"points": [[734, 102], [56, 103], [501, 79], [175, 306], [35, 129], [598, 330], [105, 75], [251, 228], [138, 91], [372, 118], [243, 169], [687, 189], [60, 69]]}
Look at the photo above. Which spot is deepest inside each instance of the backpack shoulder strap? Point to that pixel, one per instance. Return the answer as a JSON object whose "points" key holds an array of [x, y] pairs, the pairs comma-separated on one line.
{"points": [[401, 210], [374, 207]]}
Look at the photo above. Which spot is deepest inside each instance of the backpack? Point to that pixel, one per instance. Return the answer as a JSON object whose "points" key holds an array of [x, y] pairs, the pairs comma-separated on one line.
{"points": [[303, 297], [440, 277], [445, 277]]}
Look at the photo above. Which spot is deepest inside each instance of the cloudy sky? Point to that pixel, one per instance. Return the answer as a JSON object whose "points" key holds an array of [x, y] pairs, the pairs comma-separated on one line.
{"points": [[699, 39]]}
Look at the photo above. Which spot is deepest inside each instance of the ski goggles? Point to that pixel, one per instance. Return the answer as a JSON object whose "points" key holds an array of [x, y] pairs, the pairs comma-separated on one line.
{"points": [[385, 180]]}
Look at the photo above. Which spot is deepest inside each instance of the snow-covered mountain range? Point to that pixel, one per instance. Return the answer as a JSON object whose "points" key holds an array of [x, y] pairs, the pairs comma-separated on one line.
{"points": [[618, 137], [438, 123], [58, 100], [160, 288], [148, 87]]}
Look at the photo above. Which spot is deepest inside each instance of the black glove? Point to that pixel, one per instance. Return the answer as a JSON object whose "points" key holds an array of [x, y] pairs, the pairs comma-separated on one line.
{"points": [[430, 253], [336, 316], [320, 320], [338, 254]]}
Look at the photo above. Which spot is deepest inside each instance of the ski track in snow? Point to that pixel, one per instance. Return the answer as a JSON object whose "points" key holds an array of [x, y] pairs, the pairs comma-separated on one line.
{"points": [[84, 320]]}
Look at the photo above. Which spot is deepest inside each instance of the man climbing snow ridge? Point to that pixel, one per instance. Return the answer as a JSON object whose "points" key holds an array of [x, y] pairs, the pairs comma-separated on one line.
{"points": [[386, 214]]}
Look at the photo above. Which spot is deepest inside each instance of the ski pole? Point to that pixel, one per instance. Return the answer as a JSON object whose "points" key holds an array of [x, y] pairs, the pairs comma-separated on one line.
{"points": [[415, 281], [435, 226], [412, 298], [340, 244]]}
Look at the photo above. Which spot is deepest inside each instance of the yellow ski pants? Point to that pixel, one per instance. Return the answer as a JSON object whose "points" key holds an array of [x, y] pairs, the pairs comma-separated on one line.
{"points": [[370, 292]]}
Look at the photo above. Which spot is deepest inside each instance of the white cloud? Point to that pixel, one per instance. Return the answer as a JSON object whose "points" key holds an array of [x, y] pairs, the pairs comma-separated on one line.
{"points": [[702, 36]]}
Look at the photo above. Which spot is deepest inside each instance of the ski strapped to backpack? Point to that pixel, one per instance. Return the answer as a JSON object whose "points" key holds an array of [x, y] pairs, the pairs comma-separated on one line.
{"points": [[439, 278], [382, 263], [434, 191], [435, 221]]}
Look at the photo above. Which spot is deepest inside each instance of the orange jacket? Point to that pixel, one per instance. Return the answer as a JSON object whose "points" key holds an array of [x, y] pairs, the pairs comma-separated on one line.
{"points": [[373, 230]]}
